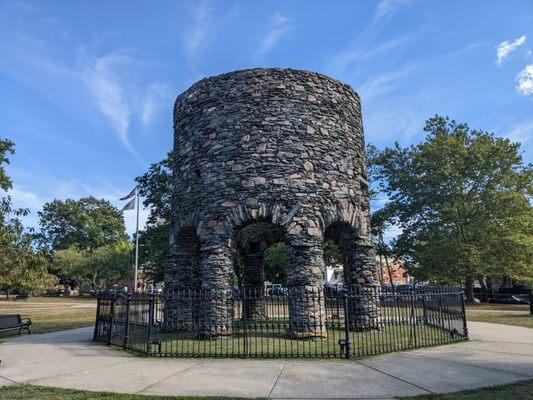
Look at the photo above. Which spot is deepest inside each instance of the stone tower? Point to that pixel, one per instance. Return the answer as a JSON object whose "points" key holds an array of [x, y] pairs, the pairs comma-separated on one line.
{"points": [[264, 156]]}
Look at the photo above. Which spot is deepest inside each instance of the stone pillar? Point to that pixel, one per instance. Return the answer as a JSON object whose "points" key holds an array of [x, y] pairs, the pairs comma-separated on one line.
{"points": [[253, 279], [216, 295], [360, 276], [181, 280], [306, 289]]}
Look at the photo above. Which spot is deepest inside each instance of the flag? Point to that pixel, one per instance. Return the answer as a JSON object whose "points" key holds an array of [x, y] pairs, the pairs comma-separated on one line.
{"points": [[130, 205], [129, 195]]}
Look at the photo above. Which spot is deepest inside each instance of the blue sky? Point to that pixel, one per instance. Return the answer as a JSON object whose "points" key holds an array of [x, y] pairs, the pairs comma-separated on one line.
{"points": [[87, 87]]}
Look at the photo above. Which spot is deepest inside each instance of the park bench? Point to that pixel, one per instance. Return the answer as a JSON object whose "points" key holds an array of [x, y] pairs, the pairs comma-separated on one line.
{"points": [[22, 296], [9, 322]]}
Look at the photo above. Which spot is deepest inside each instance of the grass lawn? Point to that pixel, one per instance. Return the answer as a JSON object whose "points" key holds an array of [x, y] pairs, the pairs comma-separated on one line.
{"points": [[516, 391], [23, 392], [51, 313], [272, 341], [509, 314]]}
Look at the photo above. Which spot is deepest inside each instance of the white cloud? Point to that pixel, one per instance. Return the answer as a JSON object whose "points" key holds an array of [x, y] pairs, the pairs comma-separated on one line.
{"points": [[524, 80], [280, 26], [388, 7], [156, 98], [505, 48], [521, 133], [74, 189], [196, 37], [103, 83]]}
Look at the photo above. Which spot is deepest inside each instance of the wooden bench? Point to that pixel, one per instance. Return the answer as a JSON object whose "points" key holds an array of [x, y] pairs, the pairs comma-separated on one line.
{"points": [[10, 322]]}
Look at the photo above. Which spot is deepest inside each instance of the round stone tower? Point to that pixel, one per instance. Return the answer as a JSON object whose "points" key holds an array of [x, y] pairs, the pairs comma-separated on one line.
{"points": [[264, 156]]}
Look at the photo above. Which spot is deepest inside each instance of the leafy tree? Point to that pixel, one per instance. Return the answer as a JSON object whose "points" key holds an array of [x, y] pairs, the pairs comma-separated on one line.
{"points": [[22, 265], [96, 269], [7, 147], [155, 186], [462, 199], [87, 223], [276, 261]]}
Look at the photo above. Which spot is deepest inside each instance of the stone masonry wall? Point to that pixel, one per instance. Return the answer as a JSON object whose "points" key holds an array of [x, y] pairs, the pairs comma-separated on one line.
{"points": [[277, 145]]}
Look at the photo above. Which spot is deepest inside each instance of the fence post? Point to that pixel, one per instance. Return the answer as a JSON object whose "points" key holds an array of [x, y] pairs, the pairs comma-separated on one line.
{"points": [[97, 322], [413, 319], [463, 310], [244, 320], [111, 313], [151, 303], [347, 346], [127, 321]]}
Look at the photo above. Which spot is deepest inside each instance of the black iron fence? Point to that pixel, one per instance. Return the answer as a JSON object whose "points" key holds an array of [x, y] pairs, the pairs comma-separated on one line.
{"points": [[292, 323]]}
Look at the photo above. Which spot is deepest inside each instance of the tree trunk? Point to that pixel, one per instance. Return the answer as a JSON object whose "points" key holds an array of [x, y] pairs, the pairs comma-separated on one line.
{"points": [[469, 288], [384, 248], [381, 277]]}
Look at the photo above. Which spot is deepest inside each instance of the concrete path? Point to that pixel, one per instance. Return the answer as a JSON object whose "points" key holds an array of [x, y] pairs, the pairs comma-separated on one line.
{"points": [[497, 354]]}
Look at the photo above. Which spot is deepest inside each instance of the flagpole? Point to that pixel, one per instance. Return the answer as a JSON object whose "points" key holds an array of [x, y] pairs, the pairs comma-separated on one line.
{"points": [[136, 244]]}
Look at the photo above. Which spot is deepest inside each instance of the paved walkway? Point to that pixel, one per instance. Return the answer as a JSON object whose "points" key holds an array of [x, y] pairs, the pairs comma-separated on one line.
{"points": [[497, 354]]}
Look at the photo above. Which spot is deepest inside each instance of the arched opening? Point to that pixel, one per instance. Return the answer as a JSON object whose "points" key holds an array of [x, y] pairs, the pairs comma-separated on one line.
{"points": [[357, 264], [251, 242], [339, 248]]}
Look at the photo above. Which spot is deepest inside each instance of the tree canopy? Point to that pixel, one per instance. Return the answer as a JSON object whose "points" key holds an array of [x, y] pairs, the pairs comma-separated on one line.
{"points": [[462, 199], [96, 269], [22, 264], [86, 224]]}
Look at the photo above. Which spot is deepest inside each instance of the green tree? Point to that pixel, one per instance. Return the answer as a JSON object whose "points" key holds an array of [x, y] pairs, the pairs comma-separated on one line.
{"points": [[96, 269], [155, 186], [22, 264], [462, 199], [7, 147], [276, 262], [87, 223]]}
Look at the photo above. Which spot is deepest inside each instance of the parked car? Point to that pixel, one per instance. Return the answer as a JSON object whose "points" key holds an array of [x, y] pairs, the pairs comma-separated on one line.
{"points": [[333, 288], [507, 299], [278, 290], [476, 300]]}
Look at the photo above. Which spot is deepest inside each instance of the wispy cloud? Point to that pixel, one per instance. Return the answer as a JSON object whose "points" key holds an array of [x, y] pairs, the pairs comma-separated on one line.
{"points": [[47, 188], [524, 81], [521, 133], [354, 56], [104, 84], [197, 35], [505, 48], [156, 97], [386, 82], [388, 7], [280, 26]]}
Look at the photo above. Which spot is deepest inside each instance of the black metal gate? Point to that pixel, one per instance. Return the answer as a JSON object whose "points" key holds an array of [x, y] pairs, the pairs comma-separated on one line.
{"points": [[259, 324]]}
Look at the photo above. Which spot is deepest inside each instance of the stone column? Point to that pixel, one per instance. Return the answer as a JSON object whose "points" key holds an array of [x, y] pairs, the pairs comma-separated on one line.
{"points": [[216, 297], [306, 289], [253, 279], [360, 276], [181, 277]]}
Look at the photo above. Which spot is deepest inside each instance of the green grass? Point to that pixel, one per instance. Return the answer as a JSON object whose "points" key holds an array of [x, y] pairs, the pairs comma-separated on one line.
{"points": [[277, 343], [24, 392], [508, 314], [514, 391], [51, 313]]}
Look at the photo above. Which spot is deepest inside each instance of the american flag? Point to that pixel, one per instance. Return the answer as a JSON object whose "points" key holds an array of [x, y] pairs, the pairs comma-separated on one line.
{"points": [[129, 195]]}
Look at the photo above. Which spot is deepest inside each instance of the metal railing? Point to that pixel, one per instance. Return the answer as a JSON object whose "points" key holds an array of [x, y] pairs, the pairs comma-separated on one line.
{"points": [[295, 323]]}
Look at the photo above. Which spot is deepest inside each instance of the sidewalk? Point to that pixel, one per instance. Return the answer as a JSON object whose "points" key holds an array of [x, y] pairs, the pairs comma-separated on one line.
{"points": [[497, 354]]}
